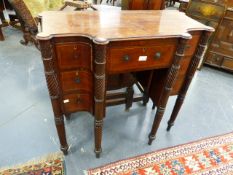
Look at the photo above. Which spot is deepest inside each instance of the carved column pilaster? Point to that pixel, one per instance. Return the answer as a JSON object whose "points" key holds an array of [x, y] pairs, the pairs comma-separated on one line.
{"points": [[54, 91], [100, 47], [190, 73], [170, 79]]}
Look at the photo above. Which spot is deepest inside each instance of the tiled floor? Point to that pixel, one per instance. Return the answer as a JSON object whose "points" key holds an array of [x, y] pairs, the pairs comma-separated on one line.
{"points": [[27, 128]]}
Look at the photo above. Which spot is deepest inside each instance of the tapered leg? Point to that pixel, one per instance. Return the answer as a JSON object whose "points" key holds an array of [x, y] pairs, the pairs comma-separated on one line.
{"points": [[100, 91], [59, 121], [190, 73], [54, 92], [170, 79], [98, 137], [129, 97]]}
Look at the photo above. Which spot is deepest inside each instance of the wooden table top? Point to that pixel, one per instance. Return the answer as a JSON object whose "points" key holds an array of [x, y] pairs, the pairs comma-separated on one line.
{"points": [[118, 25]]}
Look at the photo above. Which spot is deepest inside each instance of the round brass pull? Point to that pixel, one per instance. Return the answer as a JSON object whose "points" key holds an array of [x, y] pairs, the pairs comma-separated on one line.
{"points": [[126, 58], [157, 55], [77, 80]]}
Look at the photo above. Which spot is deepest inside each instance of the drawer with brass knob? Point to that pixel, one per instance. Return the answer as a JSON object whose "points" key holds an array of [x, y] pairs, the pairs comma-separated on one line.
{"points": [[77, 102], [74, 55], [76, 80], [136, 58]]}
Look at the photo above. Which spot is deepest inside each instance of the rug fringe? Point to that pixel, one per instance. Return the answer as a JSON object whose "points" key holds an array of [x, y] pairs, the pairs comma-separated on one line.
{"points": [[41, 159]]}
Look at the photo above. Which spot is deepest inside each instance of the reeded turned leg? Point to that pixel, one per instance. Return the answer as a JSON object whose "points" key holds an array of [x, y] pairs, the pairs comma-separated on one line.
{"points": [[190, 73], [170, 79], [54, 92], [129, 98], [98, 137], [100, 90]]}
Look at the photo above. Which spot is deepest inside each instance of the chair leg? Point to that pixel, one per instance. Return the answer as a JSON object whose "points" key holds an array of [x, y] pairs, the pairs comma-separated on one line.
{"points": [[26, 36], [1, 34], [129, 98]]}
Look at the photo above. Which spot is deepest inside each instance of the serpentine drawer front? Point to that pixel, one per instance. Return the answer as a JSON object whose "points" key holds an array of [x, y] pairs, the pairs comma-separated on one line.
{"points": [[76, 80], [136, 58], [77, 102], [74, 55]]}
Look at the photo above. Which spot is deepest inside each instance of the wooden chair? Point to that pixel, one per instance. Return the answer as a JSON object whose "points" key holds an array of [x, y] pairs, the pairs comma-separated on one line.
{"points": [[30, 24]]}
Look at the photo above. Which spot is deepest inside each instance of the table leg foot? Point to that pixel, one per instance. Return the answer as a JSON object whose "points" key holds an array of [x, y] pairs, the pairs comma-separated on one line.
{"points": [[97, 153], [153, 107], [169, 126], [151, 139], [65, 149]]}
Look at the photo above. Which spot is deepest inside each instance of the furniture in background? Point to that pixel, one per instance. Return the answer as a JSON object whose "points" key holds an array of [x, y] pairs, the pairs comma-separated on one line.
{"points": [[220, 52], [215, 14], [143, 4], [183, 5], [13, 21], [1, 34], [26, 14], [79, 58]]}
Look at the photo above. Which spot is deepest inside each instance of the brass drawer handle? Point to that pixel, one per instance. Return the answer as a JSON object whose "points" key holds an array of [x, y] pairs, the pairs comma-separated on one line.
{"points": [[77, 80], [126, 58], [157, 55]]}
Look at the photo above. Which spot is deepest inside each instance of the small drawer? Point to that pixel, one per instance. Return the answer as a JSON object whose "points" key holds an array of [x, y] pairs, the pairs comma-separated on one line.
{"points": [[74, 55], [137, 58], [191, 45], [76, 80], [227, 63], [77, 102]]}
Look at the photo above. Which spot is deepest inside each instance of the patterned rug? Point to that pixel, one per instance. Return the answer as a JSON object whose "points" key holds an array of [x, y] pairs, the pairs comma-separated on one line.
{"points": [[52, 164], [212, 156]]}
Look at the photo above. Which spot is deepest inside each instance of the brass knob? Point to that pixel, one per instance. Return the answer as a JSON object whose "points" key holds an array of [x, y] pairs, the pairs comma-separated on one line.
{"points": [[77, 80], [126, 58], [157, 55]]}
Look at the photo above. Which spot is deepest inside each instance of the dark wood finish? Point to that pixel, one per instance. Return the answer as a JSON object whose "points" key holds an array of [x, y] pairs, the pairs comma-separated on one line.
{"points": [[159, 76], [188, 78], [125, 59], [54, 91], [167, 88], [220, 53], [109, 42]]}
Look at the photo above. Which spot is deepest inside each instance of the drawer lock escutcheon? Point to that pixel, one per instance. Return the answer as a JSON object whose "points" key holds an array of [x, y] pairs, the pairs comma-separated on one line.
{"points": [[157, 55], [77, 80], [79, 100], [126, 58]]}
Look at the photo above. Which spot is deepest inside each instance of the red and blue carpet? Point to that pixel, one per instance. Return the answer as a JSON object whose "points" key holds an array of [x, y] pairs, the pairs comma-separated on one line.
{"points": [[212, 156]]}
